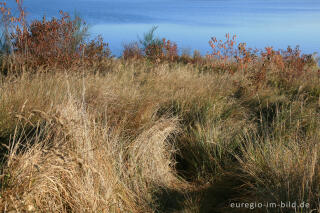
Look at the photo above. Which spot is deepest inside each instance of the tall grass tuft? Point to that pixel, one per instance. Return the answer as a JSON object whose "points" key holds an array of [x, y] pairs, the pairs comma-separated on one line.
{"points": [[73, 162]]}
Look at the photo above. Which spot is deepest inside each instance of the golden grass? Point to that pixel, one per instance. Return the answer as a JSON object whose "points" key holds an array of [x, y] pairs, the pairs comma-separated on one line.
{"points": [[73, 163], [136, 135]]}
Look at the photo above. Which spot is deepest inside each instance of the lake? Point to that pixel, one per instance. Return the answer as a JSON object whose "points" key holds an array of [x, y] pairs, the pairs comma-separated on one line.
{"points": [[191, 23]]}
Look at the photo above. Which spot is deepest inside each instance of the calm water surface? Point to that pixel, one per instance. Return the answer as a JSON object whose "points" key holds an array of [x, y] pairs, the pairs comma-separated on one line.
{"points": [[191, 23]]}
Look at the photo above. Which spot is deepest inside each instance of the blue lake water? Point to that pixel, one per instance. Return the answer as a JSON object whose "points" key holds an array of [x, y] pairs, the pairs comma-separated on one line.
{"points": [[191, 23]]}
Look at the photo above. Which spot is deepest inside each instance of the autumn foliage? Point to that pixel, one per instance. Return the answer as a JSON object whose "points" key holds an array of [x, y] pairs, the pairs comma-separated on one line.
{"points": [[229, 56], [58, 42], [165, 50], [132, 51]]}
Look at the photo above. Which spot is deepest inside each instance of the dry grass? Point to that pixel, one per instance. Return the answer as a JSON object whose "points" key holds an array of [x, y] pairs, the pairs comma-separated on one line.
{"points": [[70, 162], [140, 137]]}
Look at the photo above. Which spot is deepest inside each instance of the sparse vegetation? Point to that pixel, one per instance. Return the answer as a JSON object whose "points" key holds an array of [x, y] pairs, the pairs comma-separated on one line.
{"points": [[154, 131]]}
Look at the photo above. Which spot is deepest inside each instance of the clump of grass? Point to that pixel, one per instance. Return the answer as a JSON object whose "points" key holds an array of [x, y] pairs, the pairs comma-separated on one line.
{"points": [[279, 170], [74, 163], [279, 160]]}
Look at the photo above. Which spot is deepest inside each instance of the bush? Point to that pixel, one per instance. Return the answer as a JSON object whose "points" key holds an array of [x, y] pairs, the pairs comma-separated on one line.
{"points": [[149, 39], [132, 51], [158, 50], [59, 42]]}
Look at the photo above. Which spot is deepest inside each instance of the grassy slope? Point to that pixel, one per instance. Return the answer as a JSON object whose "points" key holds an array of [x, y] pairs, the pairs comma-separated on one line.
{"points": [[158, 138]]}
